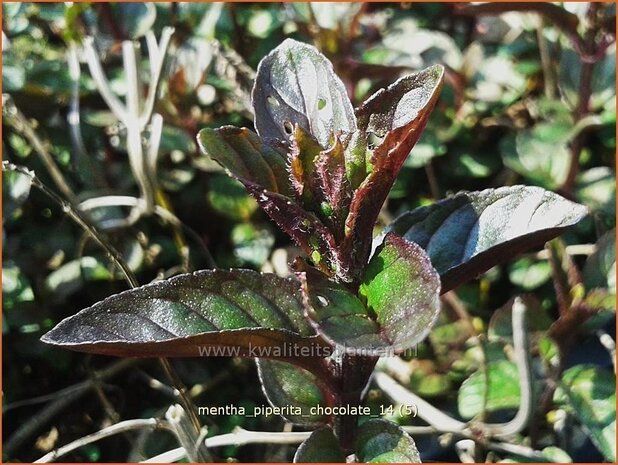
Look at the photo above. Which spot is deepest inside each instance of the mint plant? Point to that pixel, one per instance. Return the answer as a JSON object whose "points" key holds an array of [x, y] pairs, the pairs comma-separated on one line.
{"points": [[322, 170]]}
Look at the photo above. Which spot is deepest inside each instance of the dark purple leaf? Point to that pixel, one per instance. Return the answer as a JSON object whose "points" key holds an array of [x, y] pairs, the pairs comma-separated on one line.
{"points": [[241, 152], [237, 311], [287, 385], [311, 235], [296, 85], [398, 113], [469, 233]]}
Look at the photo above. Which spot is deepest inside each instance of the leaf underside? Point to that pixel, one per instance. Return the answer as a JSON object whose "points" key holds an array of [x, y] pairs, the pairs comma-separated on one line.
{"points": [[179, 317], [469, 233], [321, 447], [287, 385], [398, 304], [381, 441]]}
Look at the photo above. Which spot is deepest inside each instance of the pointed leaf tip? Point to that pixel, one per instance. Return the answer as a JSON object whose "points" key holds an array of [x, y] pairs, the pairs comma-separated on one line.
{"points": [[468, 233], [296, 85]]}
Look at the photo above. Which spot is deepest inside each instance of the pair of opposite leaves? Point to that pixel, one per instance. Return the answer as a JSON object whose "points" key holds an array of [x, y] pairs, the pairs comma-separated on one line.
{"points": [[312, 171]]}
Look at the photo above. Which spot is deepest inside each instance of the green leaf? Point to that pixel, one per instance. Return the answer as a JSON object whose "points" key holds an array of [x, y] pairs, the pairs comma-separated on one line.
{"points": [[321, 447], [15, 191], [596, 188], [540, 154], [241, 312], [296, 85], [400, 303], [590, 393], [381, 441], [286, 385], [469, 233], [252, 244], [228, 197], [600, 267], [501, 392], [241, 152], [501, 321], [72, 275], [528, 273], [401, 288]]}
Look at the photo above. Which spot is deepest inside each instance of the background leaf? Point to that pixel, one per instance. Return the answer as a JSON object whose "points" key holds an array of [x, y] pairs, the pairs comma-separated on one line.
{"points": [[500, 392], [590, 392]]}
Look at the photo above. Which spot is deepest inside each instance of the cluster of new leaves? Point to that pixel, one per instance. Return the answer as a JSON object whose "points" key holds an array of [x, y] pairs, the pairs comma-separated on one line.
{"points": [[313, 169]]}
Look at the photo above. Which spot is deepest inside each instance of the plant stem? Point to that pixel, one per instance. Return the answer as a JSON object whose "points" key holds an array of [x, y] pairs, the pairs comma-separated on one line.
{"points": [[72, 213], [122, 427], [352, 373], [76, 392], [16, 119], [585, 92]]}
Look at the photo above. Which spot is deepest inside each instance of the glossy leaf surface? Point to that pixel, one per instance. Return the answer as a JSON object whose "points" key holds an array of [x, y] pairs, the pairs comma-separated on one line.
{"points": [[296, 85], [381, 441], [469, 233], [321, 447], [398, 113], [287, 385], [242, 310], [398, 301], [245, 156]]}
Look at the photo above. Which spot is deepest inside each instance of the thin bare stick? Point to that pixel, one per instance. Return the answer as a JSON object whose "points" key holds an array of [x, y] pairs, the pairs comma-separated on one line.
{"points": [[190, 439], [66, 207], [576, 249], [522, 354], [163, 213], [157, 56], [45, 415], [238, 437], [435, 417], [122, 427], [101, 81], [16, 119], [73, 116]]}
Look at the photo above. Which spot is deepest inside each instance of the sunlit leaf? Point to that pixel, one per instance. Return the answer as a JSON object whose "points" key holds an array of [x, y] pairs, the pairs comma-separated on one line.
{"points": [[398, 301], [398, 113], [246, 157], [189, 315], [469, 233], [296, 85]]}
